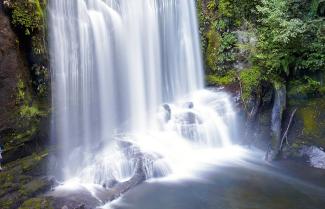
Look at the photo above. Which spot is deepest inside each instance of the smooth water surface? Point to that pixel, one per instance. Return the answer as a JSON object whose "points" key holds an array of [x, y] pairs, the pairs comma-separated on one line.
{"points": [[247, 183]]}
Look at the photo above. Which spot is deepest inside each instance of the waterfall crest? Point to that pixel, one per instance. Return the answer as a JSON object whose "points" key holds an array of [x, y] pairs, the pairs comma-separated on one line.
{"points": [[130, 71]]}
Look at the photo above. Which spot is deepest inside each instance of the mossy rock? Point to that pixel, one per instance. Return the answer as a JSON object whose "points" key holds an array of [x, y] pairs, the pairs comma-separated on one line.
{"points": [[27, 15], [308, 127], [250, 80], [23, 179], [29, 20], [222, 80], [37, 203]]}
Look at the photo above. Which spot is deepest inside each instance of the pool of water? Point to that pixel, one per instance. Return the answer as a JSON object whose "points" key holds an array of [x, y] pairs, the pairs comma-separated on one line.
{"points": [[249, 183]]}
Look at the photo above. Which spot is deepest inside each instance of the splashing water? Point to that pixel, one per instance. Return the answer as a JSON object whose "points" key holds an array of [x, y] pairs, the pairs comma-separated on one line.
{"points": [[128, 83]]}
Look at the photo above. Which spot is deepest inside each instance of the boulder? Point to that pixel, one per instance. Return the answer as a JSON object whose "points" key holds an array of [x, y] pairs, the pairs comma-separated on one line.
{"points": [[168, 113], [315, 155]]}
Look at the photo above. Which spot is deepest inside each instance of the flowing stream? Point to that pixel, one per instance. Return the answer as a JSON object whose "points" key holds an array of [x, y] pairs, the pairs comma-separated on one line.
{"points": [[128, 84]]}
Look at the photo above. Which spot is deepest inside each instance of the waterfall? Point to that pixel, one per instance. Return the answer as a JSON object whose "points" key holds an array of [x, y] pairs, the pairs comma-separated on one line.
{"points": [[130, 71]]}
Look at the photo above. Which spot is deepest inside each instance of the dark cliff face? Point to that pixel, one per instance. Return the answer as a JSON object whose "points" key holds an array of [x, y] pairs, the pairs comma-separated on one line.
{"points": [[23, 108], [23, 113], [12, 69]]}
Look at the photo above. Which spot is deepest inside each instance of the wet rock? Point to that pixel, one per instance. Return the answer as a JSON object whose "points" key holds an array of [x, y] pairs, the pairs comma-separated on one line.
{"points": [[188, 105], [276, 124], [308, 127], [110, 183], [168, 113], [24, 179], [315, 155], [188, 118], [75, 198], [124, 144], [138, 177], [82, 198], [37, 203]]}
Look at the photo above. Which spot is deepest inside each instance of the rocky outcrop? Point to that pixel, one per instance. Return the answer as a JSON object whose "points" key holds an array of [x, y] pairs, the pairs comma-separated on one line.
{"points": [[307, 132], [280, 102], [23, 116], [20, 112], [28, 18], [315, 156], [13, 68], [82, 197], [24, 179]]}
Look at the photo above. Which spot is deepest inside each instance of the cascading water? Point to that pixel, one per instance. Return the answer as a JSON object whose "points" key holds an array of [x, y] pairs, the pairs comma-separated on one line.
{"points": [[130, 71]]}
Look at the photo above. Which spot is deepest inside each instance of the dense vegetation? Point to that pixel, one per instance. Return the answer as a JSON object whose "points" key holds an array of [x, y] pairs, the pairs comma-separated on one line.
{"points": [[279, 42], [28, 19], [271, 52]]}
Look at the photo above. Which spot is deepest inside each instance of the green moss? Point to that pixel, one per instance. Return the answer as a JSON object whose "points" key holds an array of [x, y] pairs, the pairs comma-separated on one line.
{"points": [[250, 80], [211, 5], [27, 109], [229, 78], [225, 8], [6, 204], [309, 116], [17, 182], [27, 15], [37, 203], [20, 91], [214, 42], [308, 126], [29, 19]]}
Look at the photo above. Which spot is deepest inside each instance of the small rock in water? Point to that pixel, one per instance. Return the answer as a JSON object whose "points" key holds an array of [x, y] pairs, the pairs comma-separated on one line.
{"points": [[82, 206], [188, 118], [168, 112], [65, 207], [189, 105], [316, 156], [110, 183]]}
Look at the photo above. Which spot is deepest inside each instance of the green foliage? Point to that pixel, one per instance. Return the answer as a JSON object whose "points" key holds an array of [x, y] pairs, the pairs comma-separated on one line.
{"points": [[278, 37], [288, 46], [234, 11], [220, 54], [217, 21], [27, 15], [304, 88], [312, 54], [214, 41], [41, 80], [226, 8], [36, 203], [229, 78], [212, 5], [227, 52], [250, 80], [27, 110], [314, 7]]}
